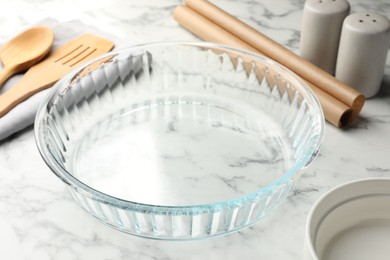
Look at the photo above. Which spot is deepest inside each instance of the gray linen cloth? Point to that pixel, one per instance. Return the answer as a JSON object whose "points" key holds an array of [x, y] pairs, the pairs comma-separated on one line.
{"points": [[23, 115]]}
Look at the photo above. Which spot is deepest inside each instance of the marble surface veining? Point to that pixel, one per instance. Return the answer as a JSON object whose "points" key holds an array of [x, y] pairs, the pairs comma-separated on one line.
{"points": [[38, 217]]}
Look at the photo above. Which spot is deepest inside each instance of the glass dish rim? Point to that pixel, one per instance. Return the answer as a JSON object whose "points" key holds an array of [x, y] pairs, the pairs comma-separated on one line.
{"points": [[97, 195]]}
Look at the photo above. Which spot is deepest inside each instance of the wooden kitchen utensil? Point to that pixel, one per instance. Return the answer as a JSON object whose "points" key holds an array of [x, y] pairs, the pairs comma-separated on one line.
{"points": [[341, 103], [279, 53], [335, 111], [25, 50], [59, 63]]}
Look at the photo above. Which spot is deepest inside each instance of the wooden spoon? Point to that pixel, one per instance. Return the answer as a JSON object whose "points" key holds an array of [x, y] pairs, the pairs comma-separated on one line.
{"points": [[44, 74], [25, 50]]}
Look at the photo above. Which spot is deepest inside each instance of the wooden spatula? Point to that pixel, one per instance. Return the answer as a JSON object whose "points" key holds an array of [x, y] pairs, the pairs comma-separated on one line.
{"points": [[50, 70]]}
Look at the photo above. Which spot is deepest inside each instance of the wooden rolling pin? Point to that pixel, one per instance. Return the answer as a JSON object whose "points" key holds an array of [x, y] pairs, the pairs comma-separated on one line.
{"points": [[279, 53], [335, 111]]}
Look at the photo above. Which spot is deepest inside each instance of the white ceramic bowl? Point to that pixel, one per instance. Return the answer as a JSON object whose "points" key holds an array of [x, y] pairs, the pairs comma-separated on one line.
{"points": [[351, 222]]}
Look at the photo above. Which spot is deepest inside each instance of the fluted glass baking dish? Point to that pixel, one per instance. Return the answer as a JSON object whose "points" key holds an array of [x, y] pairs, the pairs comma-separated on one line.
{"points": [[179, 140]]}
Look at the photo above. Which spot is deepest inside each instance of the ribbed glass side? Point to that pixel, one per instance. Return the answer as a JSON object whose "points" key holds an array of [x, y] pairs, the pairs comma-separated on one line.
{"points": [[198, 141], [182, 227]]}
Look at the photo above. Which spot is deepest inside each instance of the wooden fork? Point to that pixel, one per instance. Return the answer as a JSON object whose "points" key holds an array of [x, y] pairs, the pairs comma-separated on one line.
{"points": [[59, 63]]}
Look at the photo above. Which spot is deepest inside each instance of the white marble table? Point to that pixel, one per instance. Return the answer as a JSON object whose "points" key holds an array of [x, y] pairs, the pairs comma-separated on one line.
{"points": [[38, 218]]}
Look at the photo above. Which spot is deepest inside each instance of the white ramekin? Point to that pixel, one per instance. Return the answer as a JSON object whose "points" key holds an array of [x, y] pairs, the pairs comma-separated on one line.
{"points": [[351, 221]]}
